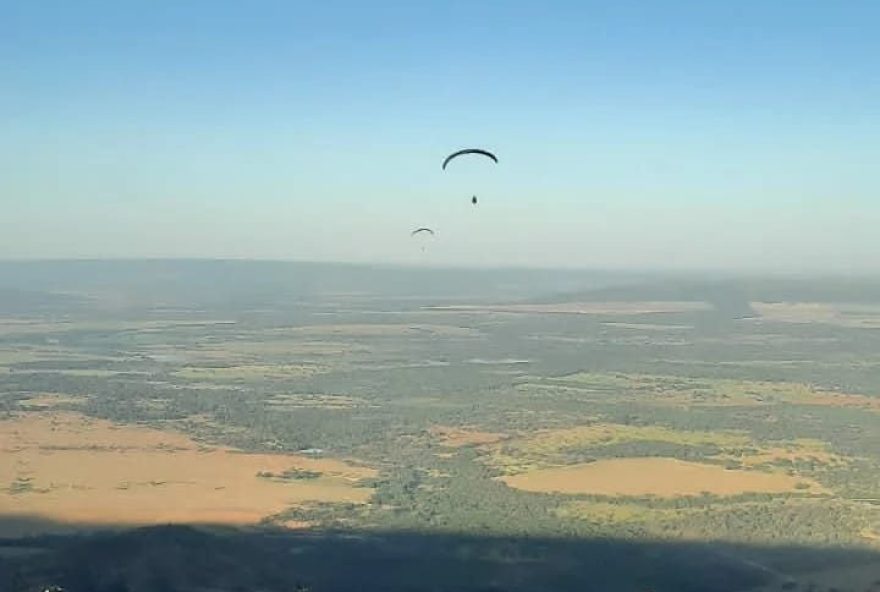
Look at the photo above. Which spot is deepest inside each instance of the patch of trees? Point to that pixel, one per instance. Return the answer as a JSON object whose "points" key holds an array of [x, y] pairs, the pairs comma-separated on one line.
{"points": [[778, 522], [642, 448], [290, 475]]}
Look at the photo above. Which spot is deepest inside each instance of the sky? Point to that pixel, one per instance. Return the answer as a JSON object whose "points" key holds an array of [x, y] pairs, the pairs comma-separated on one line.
{"points": [[630, 134]]}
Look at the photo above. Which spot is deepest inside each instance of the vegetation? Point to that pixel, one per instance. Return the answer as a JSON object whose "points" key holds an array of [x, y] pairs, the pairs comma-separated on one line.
{"points": [[446, 405]]}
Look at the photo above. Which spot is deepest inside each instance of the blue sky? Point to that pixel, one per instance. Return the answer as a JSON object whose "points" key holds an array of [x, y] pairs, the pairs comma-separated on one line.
{"points": [[630, 134]]}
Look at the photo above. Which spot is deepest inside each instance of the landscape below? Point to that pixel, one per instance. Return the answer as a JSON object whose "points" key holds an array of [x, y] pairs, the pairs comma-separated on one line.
{"points": [[521, 430]]}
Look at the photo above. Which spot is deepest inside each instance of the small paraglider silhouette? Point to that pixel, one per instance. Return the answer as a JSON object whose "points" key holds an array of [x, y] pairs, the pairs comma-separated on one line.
{"points": [[478, 151], [458, 153], [423, 232]]}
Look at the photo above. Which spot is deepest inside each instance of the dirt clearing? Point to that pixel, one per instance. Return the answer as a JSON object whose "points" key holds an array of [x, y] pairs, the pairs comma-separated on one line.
{"points": [[661, 477], [68, 468]]}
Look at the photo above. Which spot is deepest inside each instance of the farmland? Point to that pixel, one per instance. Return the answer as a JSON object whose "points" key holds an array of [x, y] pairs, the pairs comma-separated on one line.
{"points": [[72, 469], [660, 477], [448, 408]]}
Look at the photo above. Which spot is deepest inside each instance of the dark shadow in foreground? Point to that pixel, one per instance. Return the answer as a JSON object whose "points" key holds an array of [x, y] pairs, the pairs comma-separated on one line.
{"points": [[183, 558]]}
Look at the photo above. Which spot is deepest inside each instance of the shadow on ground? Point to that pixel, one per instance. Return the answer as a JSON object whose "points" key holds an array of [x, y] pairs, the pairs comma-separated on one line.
{"points": [[202, 559]]}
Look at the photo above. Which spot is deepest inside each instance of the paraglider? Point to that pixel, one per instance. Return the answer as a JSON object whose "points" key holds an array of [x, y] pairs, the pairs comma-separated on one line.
{"points": [[478, 151], [424, 233], [469, 151]]}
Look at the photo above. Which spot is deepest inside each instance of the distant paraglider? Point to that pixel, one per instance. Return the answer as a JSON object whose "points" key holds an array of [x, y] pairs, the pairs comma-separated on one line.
{"points": [[424, 234], [478, 151], [469, 151]]}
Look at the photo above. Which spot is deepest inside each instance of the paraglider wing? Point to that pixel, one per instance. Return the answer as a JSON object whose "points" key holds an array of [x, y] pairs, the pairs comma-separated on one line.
{"points": [[426, 235], [469, 151]]}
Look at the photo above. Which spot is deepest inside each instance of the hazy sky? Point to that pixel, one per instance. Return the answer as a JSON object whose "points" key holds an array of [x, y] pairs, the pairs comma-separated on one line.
{"points": [[630, 133]]}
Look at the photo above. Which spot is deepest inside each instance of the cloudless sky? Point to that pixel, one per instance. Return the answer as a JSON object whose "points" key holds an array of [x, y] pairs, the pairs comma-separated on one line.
{"points": [[674, 134]]}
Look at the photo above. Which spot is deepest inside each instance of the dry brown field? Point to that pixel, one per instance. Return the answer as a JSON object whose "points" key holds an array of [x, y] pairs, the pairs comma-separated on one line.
{"points": [[660, 477], [69, 468]]}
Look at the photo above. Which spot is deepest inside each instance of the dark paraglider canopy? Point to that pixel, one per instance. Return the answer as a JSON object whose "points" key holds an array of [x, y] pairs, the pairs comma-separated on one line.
{"points": [[424, 234], [469, 151]]}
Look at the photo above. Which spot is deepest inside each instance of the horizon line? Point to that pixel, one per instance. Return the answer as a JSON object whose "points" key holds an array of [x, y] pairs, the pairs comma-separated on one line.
{"points": [[667, 271]]}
